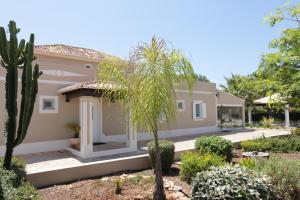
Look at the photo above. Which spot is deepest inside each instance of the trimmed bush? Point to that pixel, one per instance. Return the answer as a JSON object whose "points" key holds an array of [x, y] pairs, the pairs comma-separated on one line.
{"points": [[192, 163], [277, 144], [284, 174], [216, 145], [231, 182], [296, 131], [13, 185], [167, 154]]}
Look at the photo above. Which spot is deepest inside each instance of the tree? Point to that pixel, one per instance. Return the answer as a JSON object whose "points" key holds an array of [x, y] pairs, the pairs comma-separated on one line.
{"points": [[146, 88], [16, 56], [201, 78]]}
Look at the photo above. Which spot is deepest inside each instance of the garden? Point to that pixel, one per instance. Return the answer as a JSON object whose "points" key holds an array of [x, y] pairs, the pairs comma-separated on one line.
{"points": [[215, 170]]}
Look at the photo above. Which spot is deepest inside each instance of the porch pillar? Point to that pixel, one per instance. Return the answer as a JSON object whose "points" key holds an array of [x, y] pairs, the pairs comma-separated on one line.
{"points": [[131, 132], [249, 114], [287, 116], [243, 116], [86, 139]]}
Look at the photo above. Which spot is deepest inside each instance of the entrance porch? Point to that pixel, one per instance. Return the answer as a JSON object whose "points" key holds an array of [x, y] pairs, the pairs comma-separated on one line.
{"points": [[99, 121]]}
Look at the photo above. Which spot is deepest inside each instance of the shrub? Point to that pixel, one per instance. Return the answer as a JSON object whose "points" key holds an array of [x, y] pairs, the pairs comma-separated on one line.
{"points": [[284, 174], [277, 144], [267, 122], [13, 185], [216, 145], [296, 131], [249, 163], [231, 182], [167, 154], [191, 163]]}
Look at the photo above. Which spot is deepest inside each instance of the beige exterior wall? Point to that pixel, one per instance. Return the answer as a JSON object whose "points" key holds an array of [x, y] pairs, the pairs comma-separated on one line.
{"points": [[113, 118]]}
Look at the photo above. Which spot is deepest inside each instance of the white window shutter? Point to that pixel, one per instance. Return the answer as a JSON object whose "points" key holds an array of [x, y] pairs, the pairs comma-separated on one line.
{"points": [[194, 110], [204, 110]]}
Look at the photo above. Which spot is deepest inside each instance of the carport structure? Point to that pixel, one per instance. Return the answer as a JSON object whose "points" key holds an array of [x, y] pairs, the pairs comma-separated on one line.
{"points": [[271, 99]]}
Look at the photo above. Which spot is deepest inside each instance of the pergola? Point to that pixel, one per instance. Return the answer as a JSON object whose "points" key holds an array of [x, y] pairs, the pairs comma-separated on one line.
{"points": [[269, 99]]}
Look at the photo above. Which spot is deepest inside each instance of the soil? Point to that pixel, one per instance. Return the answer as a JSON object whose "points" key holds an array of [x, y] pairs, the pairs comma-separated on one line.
{"points": [[136, 186]]}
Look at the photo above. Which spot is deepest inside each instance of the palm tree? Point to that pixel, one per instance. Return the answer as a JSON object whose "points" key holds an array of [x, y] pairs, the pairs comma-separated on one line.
{"points": [[146, 88]]}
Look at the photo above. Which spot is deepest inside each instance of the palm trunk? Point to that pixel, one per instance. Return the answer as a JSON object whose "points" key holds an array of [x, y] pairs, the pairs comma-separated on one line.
{"points": [[8, 157], [159, 192]]}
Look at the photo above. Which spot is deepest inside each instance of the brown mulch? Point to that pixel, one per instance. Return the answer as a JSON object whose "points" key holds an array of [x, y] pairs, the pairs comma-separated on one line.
{"points": [[100, 189]]}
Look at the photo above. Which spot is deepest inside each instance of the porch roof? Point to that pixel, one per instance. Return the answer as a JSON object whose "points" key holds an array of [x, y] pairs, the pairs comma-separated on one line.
{"points": [[265, 100], [91, 85]]}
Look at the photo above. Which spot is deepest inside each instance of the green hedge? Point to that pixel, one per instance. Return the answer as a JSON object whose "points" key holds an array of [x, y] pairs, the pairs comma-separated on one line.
{"points": [[167, 154], [231, 182], [13, 185], [277, 144], [216, 145], [192, 163]]}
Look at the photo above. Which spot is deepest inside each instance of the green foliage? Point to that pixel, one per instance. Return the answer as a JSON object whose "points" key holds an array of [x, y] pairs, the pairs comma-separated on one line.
{"points": [[201, 78], [75, 128], [284, 174], [192, 163], [249, 163], [276, 144], [14, 56], [231, 182], [216, 145], [13, 185], [167, 150], [267, 122], [296, 132]]}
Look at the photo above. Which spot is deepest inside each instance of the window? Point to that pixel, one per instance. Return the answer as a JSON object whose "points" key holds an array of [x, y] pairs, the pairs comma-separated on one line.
{"points": [[180, 105], [199, 110], [48, 104]]}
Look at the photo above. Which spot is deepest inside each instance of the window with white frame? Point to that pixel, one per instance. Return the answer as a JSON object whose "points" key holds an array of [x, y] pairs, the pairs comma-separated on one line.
{"points": [[180, 105], [199, 110], [48, 104]]}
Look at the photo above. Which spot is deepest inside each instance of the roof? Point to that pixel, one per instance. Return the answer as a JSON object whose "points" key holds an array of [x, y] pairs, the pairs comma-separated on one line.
{"points": [[92, 85], [65, 50], [275, 97]]}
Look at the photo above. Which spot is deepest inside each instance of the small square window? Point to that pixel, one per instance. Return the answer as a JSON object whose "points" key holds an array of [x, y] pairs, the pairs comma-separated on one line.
{"points": [[48, 104], [180, 105]]}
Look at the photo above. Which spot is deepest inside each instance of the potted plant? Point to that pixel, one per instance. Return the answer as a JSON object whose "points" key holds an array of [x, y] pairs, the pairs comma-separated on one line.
{"points": [[75, 141]]}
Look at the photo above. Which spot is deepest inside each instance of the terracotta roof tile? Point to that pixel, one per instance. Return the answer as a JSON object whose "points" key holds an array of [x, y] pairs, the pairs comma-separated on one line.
{"points": [[66, 50]]}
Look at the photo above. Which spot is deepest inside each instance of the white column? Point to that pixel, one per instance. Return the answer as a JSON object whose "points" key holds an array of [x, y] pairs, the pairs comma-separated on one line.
{"points": [[249, 114], [86, 139], [243, 115], [287, 116], [131, 130]]}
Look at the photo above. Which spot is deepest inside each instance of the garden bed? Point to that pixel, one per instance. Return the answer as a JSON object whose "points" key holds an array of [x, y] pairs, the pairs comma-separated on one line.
{"points": [[135, 185]]}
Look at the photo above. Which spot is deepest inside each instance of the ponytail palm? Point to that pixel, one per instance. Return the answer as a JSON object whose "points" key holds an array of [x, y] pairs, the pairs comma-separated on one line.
{"points": [[146, 87]]}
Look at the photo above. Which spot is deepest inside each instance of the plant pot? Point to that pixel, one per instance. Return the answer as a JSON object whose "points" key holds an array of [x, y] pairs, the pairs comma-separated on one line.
{"points": [[75, 142]]}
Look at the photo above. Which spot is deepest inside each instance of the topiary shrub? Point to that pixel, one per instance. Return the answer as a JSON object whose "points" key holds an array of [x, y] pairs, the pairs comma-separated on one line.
{"points": [[216, 145], [231, 182], [167, 154], [13, 185], [284, 174], [192, 163]]}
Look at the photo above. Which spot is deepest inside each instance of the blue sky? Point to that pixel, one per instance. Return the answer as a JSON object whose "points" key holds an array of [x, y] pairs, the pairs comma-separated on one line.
{"points": [[220, 37]]}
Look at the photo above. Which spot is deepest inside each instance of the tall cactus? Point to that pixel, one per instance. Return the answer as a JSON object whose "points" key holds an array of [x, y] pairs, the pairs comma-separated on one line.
{"points": [[14, 57]]}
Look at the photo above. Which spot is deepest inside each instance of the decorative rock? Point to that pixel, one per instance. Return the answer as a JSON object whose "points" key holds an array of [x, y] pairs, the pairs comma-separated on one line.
{"points": [[123, 176], [146, 177], [177, 188], [138, 198], [105, 179], [131, 176]]}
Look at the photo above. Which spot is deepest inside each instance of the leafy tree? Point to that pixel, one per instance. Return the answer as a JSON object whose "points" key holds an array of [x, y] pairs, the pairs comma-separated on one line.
{"points": [[15, 56], [201, 78], [148, 92]]}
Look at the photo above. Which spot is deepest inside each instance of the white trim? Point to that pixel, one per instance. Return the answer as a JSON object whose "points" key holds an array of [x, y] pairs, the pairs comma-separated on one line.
{"points": [[183, 105], [41, 109], [37, 147], [162, 134], [230, 105], [48, 81], [196, 92], [195, 118]]}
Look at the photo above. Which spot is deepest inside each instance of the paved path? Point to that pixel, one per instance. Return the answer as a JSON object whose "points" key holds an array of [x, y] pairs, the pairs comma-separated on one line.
{"points": [[61, 159]]}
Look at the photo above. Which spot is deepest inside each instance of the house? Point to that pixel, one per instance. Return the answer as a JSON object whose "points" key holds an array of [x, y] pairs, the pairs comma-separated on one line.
{"points": [[68, 93]]}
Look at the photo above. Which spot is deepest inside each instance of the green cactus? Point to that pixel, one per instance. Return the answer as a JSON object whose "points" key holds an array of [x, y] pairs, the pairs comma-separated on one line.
{"points": [[15, 57]]}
